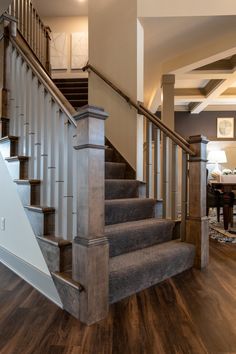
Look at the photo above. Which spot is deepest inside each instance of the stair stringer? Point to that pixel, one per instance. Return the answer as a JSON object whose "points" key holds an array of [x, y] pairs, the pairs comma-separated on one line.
{"points": [[19, 249]]}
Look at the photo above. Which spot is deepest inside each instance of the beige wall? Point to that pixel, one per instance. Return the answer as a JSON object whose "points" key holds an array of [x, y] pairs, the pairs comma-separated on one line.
{"points": [[230, 149], [160, 8], [67, 25], [113, 47]]}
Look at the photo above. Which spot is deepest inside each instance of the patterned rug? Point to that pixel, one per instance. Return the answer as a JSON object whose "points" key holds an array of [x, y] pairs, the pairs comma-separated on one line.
{"points": [[217, 231]]}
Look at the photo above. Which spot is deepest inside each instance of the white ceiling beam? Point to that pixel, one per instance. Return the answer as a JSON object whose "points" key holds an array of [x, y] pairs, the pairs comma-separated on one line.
{"points": [[214, 92]]}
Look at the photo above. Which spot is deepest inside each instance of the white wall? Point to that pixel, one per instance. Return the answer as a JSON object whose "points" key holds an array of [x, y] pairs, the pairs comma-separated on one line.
{"points": [[113, 48], [67, 25], [18, 238], [160, 8]]}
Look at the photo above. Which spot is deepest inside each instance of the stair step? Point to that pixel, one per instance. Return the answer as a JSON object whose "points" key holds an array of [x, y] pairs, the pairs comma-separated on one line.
{"points": [[115, 170], [69, 292], [123, 210], [29, 191], [109, 153], [57, 253], [42, 219], [121, 188], [62, 85], [18, 166], [77, 80], [138, 270], [131, 236], [9, 146], [74, 90]]}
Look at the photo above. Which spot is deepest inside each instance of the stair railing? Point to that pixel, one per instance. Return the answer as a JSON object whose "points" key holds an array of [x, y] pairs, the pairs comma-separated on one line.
{"points": [[162, 150], [43, 120], [32, 29]]}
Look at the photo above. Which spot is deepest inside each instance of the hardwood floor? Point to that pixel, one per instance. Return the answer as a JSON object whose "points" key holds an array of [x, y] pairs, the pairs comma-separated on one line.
{"points": [[192, 313]]}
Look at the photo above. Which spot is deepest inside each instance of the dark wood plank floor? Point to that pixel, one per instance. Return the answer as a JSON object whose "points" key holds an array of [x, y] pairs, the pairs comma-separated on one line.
{"points": [[193, 313]]}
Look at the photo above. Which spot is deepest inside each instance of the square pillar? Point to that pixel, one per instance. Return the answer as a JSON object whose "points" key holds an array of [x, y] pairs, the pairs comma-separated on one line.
{"points": [[90, 247], [197, 228]]}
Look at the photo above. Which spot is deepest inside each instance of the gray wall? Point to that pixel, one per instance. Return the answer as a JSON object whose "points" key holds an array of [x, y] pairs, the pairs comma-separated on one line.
{"points": [[205, 123]]}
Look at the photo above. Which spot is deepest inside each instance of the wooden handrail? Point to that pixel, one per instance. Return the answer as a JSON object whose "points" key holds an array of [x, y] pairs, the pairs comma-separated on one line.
{"points": [[25, 51], [179, 140]]}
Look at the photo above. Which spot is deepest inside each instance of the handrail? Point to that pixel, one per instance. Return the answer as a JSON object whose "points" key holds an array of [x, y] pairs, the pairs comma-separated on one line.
{"points": [[179, 140], [25, 51]]}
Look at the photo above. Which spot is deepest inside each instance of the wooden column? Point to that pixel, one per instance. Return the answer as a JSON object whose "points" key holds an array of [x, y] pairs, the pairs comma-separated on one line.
{"points": [[197, 231], [90, 247], [4, 122]]}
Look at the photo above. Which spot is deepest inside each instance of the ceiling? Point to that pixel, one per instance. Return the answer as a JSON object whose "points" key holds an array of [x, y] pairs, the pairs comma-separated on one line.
{"points": [[61, 8], [168, 38]]}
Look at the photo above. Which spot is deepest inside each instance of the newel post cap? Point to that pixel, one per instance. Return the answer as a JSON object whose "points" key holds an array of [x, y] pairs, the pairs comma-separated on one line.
{"points": [[90, 112], [197, 139]]}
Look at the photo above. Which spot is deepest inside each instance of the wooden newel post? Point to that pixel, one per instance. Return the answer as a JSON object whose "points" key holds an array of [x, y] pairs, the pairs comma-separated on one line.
{"points": [[90, 247], [197, 231]]}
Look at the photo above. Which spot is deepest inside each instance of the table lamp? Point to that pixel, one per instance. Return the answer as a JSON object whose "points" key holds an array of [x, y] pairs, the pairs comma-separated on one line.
{"points": [[217, 157]]}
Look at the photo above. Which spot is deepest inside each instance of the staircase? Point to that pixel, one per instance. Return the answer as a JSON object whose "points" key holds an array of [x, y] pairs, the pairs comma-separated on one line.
{"points": [[142, 248], [98, 250], [74, 90]]}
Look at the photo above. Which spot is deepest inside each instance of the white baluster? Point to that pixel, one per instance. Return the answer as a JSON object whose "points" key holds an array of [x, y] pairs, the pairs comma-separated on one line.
{"points": [[51, 119], [44, 150]]}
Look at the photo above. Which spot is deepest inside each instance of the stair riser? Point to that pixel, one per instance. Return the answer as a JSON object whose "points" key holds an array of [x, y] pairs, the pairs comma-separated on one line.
{"points": [[8, 148], [74, 90], [115, 214], [29, 194], [129, 241], [121, 190], [4, 127], [41, 223], [114, 171], [18, 169], [76, 97], [109, 155], [57, 259], [61, 86], [145, 272]]}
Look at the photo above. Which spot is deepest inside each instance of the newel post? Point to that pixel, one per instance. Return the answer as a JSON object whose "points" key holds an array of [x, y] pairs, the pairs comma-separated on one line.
{"points": [[197, 231], [90, 247]]}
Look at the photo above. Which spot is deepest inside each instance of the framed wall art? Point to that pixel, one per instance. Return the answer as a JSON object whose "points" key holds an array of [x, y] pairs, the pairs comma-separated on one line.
{"points": [[225, 128]]}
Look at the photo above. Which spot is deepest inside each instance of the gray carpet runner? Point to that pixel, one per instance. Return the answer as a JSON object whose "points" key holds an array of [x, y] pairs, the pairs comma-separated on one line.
{"points": [[142, 249]]}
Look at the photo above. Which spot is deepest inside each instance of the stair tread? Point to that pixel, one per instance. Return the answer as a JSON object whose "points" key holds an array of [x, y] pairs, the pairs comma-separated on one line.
{"points": [[56, 241], [15, 158], [135, 271], [67, 278], [130, 200], [9, 137], [27, 181], [130, 225], [40, 209]]}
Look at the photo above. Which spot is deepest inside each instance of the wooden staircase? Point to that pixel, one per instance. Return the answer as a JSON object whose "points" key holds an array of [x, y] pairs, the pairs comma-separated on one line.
{"points": [[102, 234]]}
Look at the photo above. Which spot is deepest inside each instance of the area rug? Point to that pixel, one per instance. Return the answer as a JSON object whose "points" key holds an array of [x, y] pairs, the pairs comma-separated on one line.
{"points": [[217, 231]]}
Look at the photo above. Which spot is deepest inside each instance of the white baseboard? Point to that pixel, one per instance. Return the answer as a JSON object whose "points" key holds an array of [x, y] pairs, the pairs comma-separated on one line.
{"points": [[36, 278]]}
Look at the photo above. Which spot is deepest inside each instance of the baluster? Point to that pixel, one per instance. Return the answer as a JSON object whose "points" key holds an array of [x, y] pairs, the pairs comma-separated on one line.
{"points": [[32, 119], [165, 172], [68, 194], [37, 139], [22, 109], [184, 195], [37, 35], [34, 30], [149, 159], [51, 119], [17, 95], [31, 41], [174, 182], [48, 39], [9, 10], [17, 9], [13, 8], [59, 183], [75, 185], [44, 150], [157, 163]]}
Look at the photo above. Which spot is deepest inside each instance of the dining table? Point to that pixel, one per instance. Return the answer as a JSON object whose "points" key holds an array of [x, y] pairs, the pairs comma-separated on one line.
{"points": [[227, 189]]}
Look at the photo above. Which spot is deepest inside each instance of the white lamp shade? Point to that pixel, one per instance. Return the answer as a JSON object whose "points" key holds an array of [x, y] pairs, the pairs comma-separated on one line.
{"points": [[217, 157]]}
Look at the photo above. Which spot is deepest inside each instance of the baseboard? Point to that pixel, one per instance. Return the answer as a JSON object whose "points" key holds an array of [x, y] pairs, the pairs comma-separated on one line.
{"points": [[36, 278]]}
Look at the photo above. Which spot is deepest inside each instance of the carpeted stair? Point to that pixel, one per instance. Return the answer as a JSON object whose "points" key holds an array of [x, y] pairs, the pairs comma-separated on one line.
{"points": [[143, 251]]}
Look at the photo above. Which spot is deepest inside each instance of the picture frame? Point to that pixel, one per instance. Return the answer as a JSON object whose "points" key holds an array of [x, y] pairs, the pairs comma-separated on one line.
{"points": [[225, 128]]}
